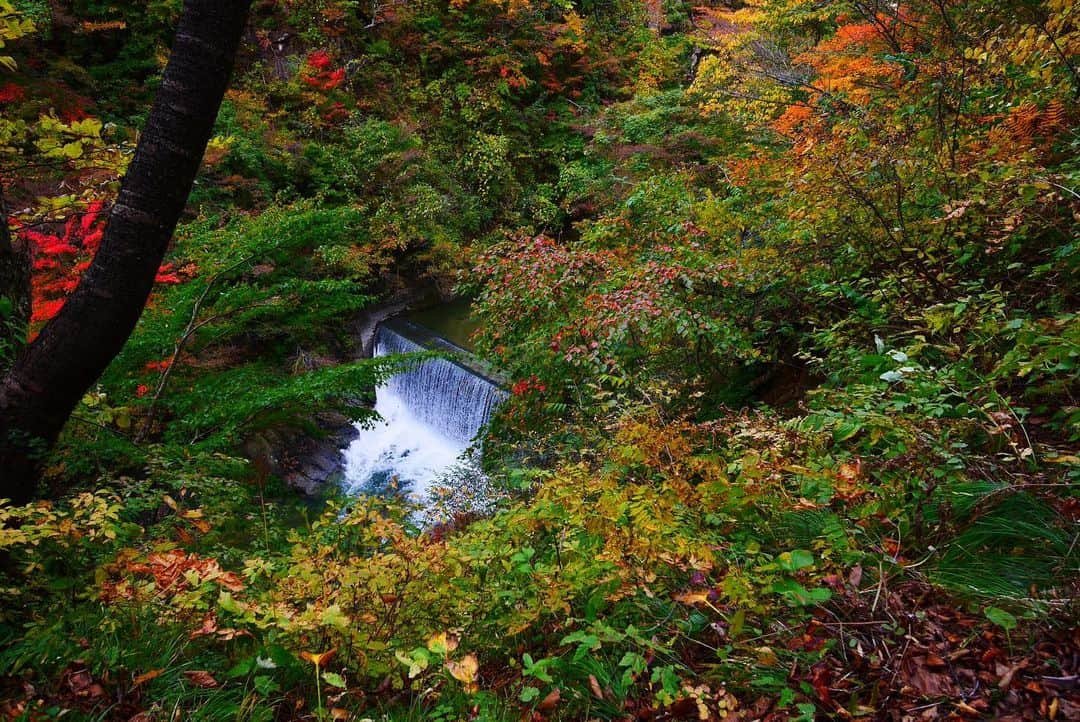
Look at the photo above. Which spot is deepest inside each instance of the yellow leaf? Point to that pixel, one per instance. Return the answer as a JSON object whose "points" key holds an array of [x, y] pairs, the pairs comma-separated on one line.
{"points": [[766, 657], [442, 643], [464, 671], [691, 597]]}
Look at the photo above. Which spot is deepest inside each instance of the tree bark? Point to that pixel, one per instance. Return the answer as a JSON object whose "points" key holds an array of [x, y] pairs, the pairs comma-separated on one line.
{"points": [[14, 292], [53, 373]]}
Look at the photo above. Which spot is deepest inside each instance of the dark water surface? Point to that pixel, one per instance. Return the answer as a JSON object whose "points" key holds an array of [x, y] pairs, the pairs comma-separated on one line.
{"points": [[453, 321]]}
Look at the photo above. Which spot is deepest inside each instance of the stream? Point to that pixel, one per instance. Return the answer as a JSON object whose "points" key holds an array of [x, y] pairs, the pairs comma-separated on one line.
{"points": [[424, 445]]}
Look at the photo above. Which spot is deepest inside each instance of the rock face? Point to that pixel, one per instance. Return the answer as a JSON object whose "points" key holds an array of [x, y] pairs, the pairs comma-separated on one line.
{"points": [[304, 459]]}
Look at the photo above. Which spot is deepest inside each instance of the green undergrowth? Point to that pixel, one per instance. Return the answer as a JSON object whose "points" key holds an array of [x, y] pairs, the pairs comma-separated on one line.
{"points": [[674, 566], [787, 296]]}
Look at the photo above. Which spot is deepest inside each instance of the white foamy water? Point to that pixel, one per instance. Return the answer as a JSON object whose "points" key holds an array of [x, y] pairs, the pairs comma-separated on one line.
{"points": [[430, 415], [398, 452]]}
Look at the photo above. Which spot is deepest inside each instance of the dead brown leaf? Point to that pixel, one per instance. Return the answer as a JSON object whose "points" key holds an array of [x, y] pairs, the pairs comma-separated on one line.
{"points": [[594, 685], [548, 703], [202, 679]]}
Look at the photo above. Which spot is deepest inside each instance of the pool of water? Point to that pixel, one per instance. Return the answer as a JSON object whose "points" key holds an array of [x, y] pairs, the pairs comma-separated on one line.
{"points": [[453, 321]]}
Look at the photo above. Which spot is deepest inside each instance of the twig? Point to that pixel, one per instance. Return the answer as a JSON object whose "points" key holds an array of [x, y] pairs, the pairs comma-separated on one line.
{"points": [[191, 328]]}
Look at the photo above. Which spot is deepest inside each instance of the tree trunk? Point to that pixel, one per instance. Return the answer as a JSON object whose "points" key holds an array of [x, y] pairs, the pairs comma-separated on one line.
{"points": [[14, 292], [49, 378]]}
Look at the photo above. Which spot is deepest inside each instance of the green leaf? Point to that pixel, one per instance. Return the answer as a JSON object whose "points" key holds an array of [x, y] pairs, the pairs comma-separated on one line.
{"points": [[583, 638], [332, 616], [799, 595], [266, 686], [334, 680], [738, 620], [846, 430], [417, 660], [528, 694], [241, 668], [795, 560], [1001, 618]]}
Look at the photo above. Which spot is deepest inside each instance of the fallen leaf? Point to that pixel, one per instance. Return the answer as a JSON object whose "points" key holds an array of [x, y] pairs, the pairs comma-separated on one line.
{"points": [[202, 679], [79, 680], [548, 703], [442, 643], [766, 657], [966, 709], [464, 671], [594, 685], [1007, 678], [209, 626], [935, 662], [850, 472], [691, 597], [146, 677]]}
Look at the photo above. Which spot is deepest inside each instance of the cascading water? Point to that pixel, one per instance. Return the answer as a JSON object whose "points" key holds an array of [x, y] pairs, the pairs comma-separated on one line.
{"points": [[430, 415], [440, 393]]}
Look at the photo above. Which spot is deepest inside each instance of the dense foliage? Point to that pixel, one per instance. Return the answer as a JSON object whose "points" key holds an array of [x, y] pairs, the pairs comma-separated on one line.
{"points": [[787, 290]]}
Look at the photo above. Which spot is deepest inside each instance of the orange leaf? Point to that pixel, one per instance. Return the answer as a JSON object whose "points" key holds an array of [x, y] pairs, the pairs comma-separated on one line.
{"points": [[319, 659], [691, 597], [209, 626], [851, 471], [146, 677]]}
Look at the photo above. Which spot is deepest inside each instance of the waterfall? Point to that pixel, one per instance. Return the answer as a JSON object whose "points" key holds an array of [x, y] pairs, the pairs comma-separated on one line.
{"points": [[442, 393], [430, 415]]}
